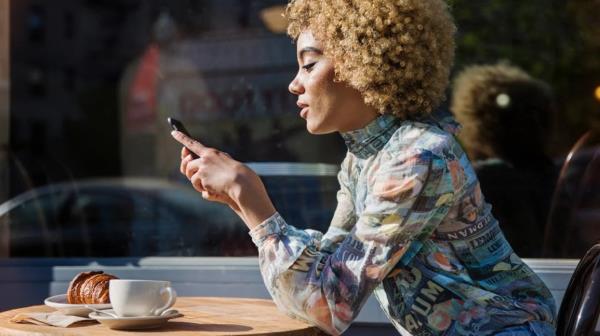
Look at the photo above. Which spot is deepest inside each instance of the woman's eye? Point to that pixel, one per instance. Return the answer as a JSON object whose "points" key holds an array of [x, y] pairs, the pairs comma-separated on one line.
{"points": [[309, 66]]}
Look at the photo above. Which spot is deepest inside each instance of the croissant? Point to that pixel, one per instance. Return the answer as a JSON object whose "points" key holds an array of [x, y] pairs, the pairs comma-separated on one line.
{"points": [[89, 288]]}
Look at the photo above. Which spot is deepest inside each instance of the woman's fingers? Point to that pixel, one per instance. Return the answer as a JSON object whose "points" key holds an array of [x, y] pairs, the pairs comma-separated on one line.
{"points": [[212, 173], [185, 152], [208, 196], [193, 145], [196, 181], [184, 163], [192, 167]]}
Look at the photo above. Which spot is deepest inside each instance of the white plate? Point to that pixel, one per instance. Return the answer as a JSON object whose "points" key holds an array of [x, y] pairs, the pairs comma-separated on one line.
{"points": [[59, 302], [132, 323]]}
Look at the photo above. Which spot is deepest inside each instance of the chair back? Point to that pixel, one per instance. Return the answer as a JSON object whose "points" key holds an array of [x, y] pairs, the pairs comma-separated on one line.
{"points": [[573, 224], [580, 308]]}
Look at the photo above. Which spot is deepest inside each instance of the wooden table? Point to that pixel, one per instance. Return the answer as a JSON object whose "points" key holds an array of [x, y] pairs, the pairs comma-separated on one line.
{"points": [[202, 316]]}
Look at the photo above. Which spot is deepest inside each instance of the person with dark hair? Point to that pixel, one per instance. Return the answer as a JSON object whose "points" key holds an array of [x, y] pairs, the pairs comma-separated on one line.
{"points": [[411, 225], [505, 115]]}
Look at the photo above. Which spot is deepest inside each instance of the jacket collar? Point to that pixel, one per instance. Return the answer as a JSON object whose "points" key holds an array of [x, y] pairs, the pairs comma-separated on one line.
{"points": [[370, 139]]}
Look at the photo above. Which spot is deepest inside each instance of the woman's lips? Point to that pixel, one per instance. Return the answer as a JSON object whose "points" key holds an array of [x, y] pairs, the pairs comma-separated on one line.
{"points": [[304, 112]]}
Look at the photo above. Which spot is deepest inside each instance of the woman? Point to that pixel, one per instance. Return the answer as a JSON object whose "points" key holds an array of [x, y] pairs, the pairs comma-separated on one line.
{"points": [[411, 224]]}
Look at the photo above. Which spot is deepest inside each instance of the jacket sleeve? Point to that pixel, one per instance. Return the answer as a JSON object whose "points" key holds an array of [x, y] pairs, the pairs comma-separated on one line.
{"points": [[344, 217], [407, 198]]}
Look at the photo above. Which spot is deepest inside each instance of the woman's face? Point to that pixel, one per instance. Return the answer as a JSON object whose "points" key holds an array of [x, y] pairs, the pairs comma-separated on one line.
{"points": [[326, 105]]}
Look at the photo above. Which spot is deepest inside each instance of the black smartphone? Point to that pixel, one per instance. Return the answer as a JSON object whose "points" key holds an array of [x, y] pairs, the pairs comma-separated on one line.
{"points": [[178, 126]]}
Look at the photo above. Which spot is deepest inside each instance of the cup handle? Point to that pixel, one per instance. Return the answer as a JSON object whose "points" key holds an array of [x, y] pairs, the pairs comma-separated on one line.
{"points": [[170, 302]]}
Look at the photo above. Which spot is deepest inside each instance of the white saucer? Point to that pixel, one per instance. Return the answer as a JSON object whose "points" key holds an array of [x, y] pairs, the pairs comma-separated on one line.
{"points": [[136, 322], [59, 302]]}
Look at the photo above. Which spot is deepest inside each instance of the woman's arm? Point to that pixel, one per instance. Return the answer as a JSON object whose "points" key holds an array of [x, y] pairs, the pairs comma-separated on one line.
{"points": [[409, 196], [327, 284]]}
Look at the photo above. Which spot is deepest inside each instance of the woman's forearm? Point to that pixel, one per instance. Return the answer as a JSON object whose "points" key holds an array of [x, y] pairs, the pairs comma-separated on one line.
{"points": [[254, 203]]}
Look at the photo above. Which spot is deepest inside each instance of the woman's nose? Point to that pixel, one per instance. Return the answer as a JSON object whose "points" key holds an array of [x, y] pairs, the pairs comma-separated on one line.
{"points": [[295, 87]]}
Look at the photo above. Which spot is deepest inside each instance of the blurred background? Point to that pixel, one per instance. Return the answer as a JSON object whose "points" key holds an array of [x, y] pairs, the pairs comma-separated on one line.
{"points": [[86, 158]]}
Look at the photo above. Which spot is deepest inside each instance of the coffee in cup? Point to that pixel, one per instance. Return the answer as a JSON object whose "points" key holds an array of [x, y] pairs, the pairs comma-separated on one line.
{"points": [[140, 297]]}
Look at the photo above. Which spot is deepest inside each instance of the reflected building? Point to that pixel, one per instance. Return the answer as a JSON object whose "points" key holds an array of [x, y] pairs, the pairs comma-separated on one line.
{"points": [[94, 80], [110, 72], [230, 74], [66, 57]]}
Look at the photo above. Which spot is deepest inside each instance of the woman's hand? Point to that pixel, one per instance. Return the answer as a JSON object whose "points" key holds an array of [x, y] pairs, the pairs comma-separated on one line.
{"points": [[223, 171], [222, 179]]}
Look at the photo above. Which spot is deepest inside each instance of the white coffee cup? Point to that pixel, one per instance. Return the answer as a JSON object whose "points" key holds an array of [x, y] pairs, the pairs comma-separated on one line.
{"points": [[140, 297]]}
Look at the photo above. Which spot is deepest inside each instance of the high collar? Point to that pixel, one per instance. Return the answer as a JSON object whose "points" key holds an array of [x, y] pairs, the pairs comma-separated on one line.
{"points": [[370, 139]]}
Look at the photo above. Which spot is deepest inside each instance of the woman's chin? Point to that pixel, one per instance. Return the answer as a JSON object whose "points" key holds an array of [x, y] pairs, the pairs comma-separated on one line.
{"points": [[311, 127], [319, 127], [317, 130]]}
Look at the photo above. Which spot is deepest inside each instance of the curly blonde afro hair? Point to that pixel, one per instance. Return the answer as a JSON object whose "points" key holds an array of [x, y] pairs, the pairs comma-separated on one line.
{"points": [[503, 110], [397, 53]]}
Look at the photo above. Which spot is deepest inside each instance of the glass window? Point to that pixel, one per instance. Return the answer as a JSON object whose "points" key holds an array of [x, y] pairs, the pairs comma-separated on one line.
{"points": [[87, 156], [33, 223], [69, 25], [36, 23]]}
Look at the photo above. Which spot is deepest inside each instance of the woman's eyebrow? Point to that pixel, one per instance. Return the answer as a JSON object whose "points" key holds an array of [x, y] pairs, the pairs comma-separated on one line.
{"points": [[309, 49]]}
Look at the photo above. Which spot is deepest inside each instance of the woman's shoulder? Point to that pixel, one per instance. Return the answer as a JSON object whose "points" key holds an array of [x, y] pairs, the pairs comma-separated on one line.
{"points": [[422, 136]]}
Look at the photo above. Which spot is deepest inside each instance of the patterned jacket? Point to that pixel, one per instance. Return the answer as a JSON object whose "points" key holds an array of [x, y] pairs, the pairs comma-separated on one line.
{"points": [[412, 227]]}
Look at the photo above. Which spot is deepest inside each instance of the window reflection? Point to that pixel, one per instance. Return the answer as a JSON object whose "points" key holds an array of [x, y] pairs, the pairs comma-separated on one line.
{"points": [[575, 216], [36, 24], [505, 114], [36, 81], [69, 25], [93, 82]]}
